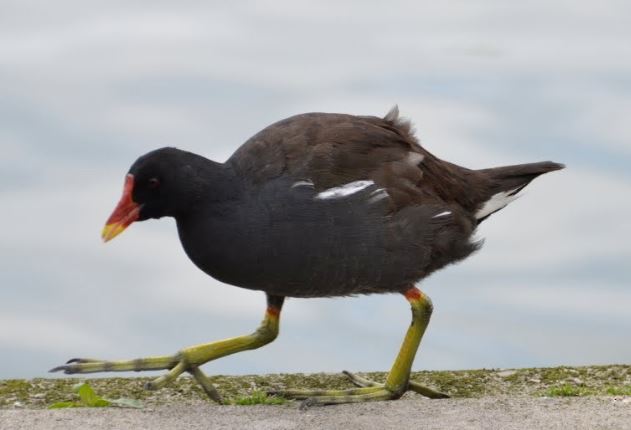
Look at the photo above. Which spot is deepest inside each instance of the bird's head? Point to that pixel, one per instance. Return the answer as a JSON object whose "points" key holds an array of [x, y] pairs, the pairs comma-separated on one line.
{"points": [[160, 183]]}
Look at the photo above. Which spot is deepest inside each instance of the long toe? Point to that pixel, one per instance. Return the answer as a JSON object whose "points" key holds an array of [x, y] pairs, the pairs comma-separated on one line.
{"points": [[91, 365], [81, 360], [427, 392], [326, 397], [368, 391], [371, 394], [360, 381], [176, 365]]}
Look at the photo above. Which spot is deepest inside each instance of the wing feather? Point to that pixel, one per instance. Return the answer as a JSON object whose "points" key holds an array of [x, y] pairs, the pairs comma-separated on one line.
{"points": [[331, 150]]}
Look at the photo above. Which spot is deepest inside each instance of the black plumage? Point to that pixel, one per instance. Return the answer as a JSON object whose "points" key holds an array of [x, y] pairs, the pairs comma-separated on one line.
{"points": [[316, 205], [256, 221]]}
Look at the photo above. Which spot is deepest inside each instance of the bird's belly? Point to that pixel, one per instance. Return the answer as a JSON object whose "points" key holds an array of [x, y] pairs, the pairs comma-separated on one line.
{"points": [[308, 265], [302, 248], [317, 265], [305, 258]]}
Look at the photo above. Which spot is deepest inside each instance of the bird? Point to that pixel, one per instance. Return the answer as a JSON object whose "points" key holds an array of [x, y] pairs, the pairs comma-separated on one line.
{"points": [[315, 205]]}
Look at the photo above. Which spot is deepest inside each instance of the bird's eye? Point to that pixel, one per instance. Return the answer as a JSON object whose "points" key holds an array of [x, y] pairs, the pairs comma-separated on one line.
{"points": [[153, 183]]}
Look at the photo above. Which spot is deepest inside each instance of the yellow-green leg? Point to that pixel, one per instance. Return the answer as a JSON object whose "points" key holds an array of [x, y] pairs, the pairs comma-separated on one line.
{"points": [[413, 386], [188, 359], [397, 381]]}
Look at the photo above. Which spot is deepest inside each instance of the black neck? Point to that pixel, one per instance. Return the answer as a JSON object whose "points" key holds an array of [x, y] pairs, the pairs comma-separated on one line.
{"points": [[211, 184]]}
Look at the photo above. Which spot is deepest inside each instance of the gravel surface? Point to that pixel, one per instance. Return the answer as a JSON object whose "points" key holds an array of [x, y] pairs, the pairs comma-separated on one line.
{"points": [[610, 380], [504, 413], [589, 397]]}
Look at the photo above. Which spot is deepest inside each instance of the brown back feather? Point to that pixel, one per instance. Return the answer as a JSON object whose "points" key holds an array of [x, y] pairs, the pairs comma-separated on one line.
{"points": [[334, 149]]}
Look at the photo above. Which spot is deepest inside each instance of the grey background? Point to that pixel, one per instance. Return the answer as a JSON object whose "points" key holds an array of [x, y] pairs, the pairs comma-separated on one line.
{"points": [[86, 87]]}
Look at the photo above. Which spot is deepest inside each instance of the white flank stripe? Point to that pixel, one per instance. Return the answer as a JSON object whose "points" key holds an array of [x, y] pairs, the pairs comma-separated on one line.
{"points": [[442, 214], [302, 184], [495, 203], [378, 194], [343, 190]]}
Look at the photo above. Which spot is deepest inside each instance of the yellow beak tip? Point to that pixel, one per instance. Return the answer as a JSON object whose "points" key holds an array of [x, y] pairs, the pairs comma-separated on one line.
{"points": [[110, 231]]}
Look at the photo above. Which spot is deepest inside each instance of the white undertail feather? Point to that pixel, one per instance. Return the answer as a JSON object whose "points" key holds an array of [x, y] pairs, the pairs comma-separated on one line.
{"points": [[495, 203], [343, 190]]}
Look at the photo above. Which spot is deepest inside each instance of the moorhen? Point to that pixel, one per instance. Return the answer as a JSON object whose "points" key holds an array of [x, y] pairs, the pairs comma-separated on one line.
{"points": [[316, 205]]}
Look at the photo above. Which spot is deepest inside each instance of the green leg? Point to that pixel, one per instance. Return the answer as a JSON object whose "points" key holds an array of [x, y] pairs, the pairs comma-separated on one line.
{"points": [[397, 381], [188, 359]]}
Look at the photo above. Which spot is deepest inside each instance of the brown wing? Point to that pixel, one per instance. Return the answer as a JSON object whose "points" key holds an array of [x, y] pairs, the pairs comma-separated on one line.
{"points": [[334, 149]]}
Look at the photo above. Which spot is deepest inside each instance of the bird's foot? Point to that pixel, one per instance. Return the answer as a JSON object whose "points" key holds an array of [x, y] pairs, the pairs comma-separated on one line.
{"points": [[334, 397], [368, 391], [176, 365], [413, 386], [188, 359]]}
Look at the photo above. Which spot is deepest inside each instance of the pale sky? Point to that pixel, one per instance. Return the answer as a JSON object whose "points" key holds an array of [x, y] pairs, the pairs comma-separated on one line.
{"points": [[87, 87]]}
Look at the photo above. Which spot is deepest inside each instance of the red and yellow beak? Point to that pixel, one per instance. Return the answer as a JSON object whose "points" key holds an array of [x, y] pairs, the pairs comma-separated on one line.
{"points": [[126, 212]]}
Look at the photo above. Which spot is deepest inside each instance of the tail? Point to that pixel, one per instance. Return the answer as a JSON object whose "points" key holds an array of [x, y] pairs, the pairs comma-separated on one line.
{"points": [[507, 181]]}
